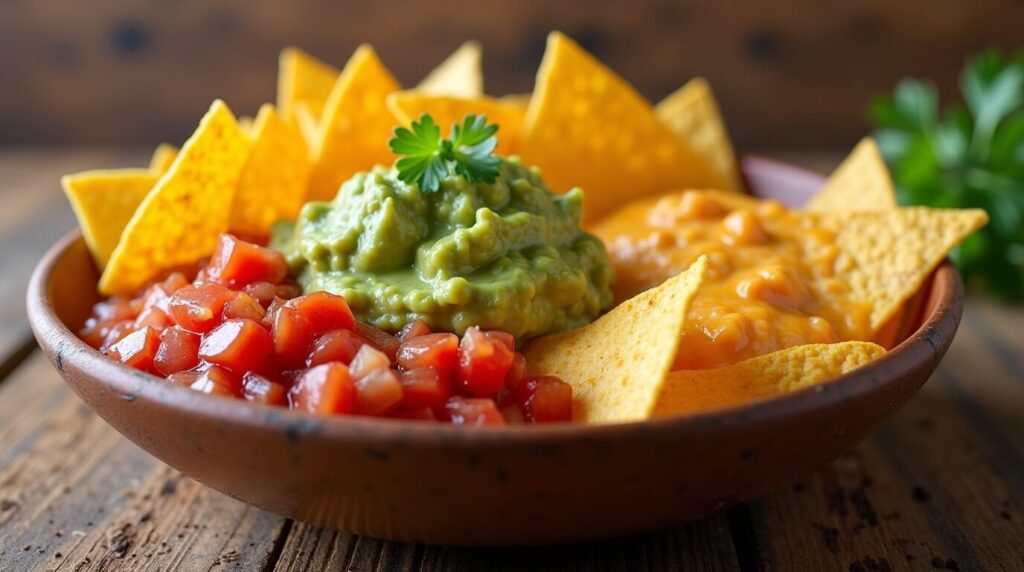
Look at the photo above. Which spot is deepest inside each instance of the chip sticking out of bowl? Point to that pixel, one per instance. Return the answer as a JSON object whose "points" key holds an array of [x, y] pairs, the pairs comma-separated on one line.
{"points": [[617, 365], [302, 78], [459, 75], [860, 183]]}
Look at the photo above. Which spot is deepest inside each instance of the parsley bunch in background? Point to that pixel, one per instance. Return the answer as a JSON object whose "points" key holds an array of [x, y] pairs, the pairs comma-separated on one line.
{"points": [[970, 154]]}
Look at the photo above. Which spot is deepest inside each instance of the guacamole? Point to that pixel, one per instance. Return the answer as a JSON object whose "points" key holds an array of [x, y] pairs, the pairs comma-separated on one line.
{"points": [[506, 255]]}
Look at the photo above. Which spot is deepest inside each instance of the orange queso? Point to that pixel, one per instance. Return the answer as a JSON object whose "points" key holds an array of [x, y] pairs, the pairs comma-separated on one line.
{"points": [[771, 282]]}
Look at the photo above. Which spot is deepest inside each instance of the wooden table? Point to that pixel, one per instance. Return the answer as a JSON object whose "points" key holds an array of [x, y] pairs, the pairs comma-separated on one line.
{"points": [[939, 486]]}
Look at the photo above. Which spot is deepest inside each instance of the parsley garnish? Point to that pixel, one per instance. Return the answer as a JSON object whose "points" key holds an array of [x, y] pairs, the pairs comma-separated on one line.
{"points": [[427, 158], [969, 155]]}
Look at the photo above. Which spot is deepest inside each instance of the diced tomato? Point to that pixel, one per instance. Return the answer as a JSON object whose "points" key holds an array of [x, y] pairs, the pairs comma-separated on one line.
{"points": [[366, 360], [484, 362], [236, 263], [178, 351], [243, 307], [324, 311], [154, 317], [292, 337], [184, 378], [257, 388], [326, 388], [114, 310], [417, 414], [379, 339], [439, 351], [199, 308], [137, 349], [339, 345], [271, 314], [473, 411], [412, 330], [263, 292], [512, 414], [240, 345], [175, 281], [378, 392], [518, 370], [425, 387], [504, 337], [218, 381], [116, 333], [544, 399]]}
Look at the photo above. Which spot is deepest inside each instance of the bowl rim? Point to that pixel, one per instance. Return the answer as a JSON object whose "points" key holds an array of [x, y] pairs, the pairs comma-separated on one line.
{"points": [[62, 345]]}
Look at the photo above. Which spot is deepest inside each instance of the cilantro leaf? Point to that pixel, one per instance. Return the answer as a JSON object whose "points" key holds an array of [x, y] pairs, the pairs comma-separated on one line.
{"points": [[969, 155], [427, 158]]}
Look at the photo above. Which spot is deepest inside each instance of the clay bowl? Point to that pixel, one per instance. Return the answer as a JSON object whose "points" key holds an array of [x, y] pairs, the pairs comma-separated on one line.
{"points": [[518, 485]]}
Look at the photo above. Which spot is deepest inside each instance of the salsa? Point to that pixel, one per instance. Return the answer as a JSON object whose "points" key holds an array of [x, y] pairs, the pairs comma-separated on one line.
{"points": [[506, 255], [242, 328], [771, 282]]}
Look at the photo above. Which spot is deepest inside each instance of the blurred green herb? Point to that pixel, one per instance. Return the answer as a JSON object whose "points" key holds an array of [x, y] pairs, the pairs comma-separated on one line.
{"points": [[970, 154]]}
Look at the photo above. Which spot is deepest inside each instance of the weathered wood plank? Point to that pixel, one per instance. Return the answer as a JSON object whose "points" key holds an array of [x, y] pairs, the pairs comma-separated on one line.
{"points": [[76, 495], [939, 484], [34, 215]]}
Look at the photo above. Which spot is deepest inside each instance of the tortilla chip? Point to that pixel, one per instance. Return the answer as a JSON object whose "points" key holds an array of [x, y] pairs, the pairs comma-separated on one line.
{"points": [[860, 183], [354, 130], [179, 220], [459, 75], [163, 156], [587, 127], [446, 111], [272, 185], [104, 202], [303, 78], [307, 124], [691, 391], [520, 100], [692, 112], [617, 365], [885, 256], [245, 123]]}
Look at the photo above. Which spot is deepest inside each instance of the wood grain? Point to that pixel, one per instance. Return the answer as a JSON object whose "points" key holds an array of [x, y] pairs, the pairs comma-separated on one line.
{"points": [[787, 72]]}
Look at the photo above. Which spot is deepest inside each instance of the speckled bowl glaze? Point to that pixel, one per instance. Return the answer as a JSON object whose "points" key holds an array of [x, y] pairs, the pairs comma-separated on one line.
{"points": [[503, 486]]}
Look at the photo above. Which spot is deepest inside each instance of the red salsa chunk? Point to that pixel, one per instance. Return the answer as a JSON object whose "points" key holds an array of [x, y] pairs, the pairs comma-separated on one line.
{"points": [[243, 329]]}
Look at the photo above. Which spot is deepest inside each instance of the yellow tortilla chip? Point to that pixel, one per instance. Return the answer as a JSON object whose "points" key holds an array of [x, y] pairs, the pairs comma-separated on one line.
{"points": [[104, 202], [163, 156], [179, 220], [272, 185], [354, 130], [303, 78], [691, 391], [692, 112], [307, 124], [245, 123], [884, 256], [617, 364], [459, 75], [409, 105], [860, 183], [587, 127]]}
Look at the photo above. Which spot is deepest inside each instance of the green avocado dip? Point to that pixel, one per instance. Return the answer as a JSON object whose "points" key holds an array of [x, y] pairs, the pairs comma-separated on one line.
{"points": [[506, 255]]}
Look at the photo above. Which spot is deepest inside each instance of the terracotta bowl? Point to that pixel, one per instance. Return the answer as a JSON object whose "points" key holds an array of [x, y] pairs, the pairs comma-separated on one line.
{"points": [[504, 486]]}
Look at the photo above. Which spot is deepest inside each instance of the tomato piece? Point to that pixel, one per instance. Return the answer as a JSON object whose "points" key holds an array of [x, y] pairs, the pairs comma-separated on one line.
{"points": [[236, 263], [240, 345], [473, 411], [271, 313], [114, 310], [417, 414], [439, 351], [339, 345], [379, 339], [504, 337], [243, 307], [324, 311], [512, 414], [198, 308], [178, 351], [544, 399], [116, 333], [184, 378], [326, 388], [378, 392], [412, 330], [218, 381], [292, 337], [484, 362], [257, 388], [366, 360], [137, 349], [425, 387], [154, 317]]}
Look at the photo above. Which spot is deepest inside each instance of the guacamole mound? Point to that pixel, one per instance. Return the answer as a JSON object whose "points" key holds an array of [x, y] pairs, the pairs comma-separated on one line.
{"points": [[507, 255]]}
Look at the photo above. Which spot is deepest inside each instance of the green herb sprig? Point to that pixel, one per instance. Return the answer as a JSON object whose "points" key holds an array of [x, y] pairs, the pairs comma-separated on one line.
{"points": [[427, 158], [969, 155]]}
